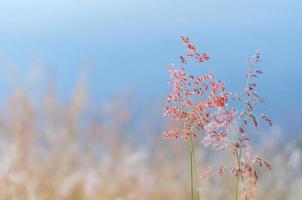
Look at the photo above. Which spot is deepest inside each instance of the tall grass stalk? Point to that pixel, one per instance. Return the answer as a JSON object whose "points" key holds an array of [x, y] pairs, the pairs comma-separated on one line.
{"points": [[194, 194], [238, 177], [202, 103]]}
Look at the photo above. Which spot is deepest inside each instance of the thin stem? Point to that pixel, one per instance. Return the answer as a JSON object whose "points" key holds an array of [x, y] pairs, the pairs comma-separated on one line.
{"points": [[237, 188], [193, 191], [191, 169], [238, 158]]}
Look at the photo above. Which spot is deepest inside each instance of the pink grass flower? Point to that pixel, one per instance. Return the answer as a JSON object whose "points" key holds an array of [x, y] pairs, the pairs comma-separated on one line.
{"points": [[206, 111], [206, 173]]}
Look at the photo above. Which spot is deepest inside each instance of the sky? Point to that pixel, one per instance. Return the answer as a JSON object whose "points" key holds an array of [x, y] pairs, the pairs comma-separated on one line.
{"points": [[129, 43]]}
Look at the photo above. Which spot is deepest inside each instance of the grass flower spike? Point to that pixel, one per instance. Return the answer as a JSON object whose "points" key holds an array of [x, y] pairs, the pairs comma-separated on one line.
{"points": [[208, 113]]}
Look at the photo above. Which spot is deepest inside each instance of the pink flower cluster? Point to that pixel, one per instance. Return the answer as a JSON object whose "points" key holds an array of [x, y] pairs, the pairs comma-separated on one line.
{"points": [[202, 106], [200, 102]]}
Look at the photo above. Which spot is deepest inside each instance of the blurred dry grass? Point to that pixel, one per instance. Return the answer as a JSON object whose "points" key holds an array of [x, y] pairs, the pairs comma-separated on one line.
{"points": [[76, 150]]}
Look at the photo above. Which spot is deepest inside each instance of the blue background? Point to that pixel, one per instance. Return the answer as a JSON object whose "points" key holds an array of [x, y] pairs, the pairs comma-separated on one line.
{"points": [[123, 44]]}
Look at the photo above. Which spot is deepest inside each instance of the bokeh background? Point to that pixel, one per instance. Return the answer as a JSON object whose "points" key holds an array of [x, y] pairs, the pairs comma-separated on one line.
{"points": [[82, 84]]}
